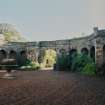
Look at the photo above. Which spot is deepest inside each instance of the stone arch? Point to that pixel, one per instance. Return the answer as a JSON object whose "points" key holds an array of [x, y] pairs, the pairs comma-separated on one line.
{"points": [[12, 54], [23, 53], [72, 55], [23, 57], [48, 57], [72, 52], [62, 51], [3, 54], [84, 51], [92, 53], [104, 54]]}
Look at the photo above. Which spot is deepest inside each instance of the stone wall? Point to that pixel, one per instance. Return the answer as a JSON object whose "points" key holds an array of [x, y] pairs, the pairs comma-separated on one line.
{"points": [[96, 41]]}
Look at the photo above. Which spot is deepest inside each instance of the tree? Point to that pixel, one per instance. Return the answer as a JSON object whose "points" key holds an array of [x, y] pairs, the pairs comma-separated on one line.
{"points": [[13, 37]]}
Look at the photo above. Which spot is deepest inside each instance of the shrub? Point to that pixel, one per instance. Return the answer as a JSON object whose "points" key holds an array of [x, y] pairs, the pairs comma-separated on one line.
{"points": [[77, 63], [89, 69], [34, 65], [84, 64], [30, 65]]}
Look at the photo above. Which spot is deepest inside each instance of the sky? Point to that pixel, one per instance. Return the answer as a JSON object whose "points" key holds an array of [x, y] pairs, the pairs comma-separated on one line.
{"points": [[53, 19]]}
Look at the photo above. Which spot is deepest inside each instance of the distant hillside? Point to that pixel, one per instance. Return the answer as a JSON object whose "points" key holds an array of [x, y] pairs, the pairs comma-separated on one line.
{"points": [[10, 33]]}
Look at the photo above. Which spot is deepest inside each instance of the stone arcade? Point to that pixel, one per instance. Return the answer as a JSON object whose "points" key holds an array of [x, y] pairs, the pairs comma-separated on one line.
{"points": [[94, 45]]}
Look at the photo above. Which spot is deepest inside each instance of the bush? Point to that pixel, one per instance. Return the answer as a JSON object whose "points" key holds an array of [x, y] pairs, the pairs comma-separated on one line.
{"points": [[77, 63], [35, 65], [89, 69], [30, 65], [84, 64]]}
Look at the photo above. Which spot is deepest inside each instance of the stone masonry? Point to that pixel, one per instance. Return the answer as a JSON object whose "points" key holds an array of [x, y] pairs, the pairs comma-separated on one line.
{"points": [[93, 44]]}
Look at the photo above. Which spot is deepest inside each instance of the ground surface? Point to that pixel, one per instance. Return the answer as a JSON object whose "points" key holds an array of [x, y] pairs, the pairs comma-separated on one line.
{"points": [[52, 88]]}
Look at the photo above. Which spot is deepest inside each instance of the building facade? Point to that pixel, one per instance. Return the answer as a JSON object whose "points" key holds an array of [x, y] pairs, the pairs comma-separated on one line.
{"points": [[93, 45]]}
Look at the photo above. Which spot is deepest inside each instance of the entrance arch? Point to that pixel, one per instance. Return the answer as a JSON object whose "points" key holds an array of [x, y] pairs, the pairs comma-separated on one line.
{"points": [[50, 57], [73, 52], [84, 51], [12, 54], [104, 54], [3, 55], [23, 57], [92, 53]]}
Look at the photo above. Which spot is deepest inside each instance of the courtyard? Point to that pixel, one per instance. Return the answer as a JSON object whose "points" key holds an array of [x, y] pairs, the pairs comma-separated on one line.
{"points": [[51, 88]]}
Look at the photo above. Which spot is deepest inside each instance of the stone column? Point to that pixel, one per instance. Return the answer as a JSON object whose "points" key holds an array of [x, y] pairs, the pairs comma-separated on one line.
{"points": [[58, 53], [37, 54], [41, 55], [31, 54], [98, 52]]}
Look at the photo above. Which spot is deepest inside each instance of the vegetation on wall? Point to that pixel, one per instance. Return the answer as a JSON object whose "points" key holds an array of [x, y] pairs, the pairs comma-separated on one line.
{"points": [[84, 64], [49, 58], [76, 63], [46, 59], [70, 62], [61, 63]]}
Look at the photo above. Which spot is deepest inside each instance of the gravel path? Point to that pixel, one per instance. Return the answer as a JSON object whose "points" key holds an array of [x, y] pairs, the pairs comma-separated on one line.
{"points": [[52, 88]]}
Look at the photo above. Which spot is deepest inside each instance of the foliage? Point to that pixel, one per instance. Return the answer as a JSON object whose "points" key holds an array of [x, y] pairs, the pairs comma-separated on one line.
{"points": [[62, 61], [46, 59], [77, 63], [13, 37], [89, 69], [84, 64], [80, 61], [49, 58], [31, 65]]}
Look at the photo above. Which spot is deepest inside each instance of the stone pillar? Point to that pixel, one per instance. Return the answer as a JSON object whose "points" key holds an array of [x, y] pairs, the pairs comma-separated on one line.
{"points": [[58, 54], [98, 52], [41, 55], [31, 54], [37, 54]]}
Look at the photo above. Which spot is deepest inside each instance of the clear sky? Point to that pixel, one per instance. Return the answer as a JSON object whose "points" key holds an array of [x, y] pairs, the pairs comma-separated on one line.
{"points": [[53, 19]]}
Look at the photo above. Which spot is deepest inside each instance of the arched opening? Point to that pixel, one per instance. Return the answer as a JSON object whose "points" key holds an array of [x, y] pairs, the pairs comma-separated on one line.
{"points": [[12, 54], [3, 55], [23, 57], [62, 51], [92, 53], [72, 55], [23, 53], [49, 58], [71, 58], [73, 52], [104, 54], [84, 51]]}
